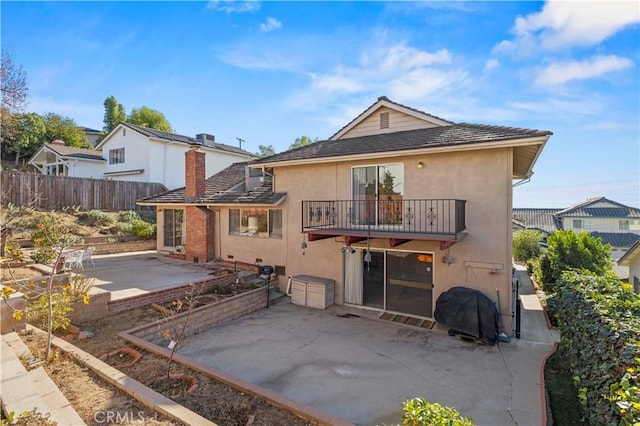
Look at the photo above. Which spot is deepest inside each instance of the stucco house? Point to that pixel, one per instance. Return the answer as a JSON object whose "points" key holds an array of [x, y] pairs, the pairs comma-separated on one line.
{"points": [[135, 153], [614, 223], [396, 207], [631, 260]]}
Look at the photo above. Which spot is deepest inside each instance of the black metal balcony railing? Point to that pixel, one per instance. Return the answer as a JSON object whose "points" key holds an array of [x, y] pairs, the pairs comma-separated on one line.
{"points": [[435, 217]]}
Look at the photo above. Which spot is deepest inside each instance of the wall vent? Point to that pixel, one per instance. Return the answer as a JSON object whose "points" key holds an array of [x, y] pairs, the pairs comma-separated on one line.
{"points": [[384, 120]]}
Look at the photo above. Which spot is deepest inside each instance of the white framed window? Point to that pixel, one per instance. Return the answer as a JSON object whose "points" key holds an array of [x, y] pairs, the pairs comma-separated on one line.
{"points": [[116, 156], [623, 225], [260, 223], [581, 224]]}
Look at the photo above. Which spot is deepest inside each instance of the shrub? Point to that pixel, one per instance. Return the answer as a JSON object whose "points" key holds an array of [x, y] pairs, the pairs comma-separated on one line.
{"points": [[44, 255], [570, 251], [600, 332], [129, 216], [13, 251], [142, 229], [98, 217], [526, 244], [420, 412]]}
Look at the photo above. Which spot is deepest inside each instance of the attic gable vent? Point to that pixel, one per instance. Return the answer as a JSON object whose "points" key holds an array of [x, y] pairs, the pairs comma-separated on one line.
{"points": [[384, 120]]}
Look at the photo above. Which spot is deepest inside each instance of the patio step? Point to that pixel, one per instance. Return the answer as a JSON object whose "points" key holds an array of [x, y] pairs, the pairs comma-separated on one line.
{"points": [[30, 389], [275, 296]]}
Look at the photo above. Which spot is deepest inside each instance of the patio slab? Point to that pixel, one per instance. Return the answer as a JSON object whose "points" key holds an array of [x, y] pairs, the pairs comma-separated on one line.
{"points": [[132, 274], [361, 369]]}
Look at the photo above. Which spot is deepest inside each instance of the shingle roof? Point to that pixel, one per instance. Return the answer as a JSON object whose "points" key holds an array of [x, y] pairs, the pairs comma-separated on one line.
{"points": [[456, 134], [617, 239], [541, 219], [225, 187], [631, 253], [72, 151], [185, 139], [584, 210]]}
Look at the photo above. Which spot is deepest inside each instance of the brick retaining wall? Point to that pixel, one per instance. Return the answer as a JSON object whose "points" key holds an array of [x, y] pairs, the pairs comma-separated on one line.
{"points": [[168, 294], [207, 316]]}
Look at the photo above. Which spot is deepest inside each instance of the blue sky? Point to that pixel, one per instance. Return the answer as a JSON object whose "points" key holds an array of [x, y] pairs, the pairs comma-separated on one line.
{"points": [[268, 72]]}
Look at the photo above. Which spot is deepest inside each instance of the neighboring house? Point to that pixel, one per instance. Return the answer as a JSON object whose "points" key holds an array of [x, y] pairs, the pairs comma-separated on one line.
{"points": [[57, 159], [631, 260], [397, 207], [93, 135], [136, 153], [614, 223]]}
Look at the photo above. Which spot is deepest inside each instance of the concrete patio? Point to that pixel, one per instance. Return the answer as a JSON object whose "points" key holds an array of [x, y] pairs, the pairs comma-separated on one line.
{"points": [[361, 369], [132, 274]]}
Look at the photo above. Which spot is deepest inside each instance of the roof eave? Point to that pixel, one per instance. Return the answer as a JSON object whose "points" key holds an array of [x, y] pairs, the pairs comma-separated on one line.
{"points": [[416, 151]]}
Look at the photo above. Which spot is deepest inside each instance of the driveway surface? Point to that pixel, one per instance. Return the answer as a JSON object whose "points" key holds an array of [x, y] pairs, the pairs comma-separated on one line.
{"points": [[131, 274], [361, 369]]}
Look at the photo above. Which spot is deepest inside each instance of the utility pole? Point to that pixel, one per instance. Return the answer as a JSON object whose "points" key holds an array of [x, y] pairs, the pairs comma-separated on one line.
{"points": [[240, 140]]}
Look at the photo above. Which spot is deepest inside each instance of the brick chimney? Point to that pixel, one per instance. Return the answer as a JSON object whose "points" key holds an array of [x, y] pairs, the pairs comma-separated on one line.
{"points": [[200, 221], [194, 172]]}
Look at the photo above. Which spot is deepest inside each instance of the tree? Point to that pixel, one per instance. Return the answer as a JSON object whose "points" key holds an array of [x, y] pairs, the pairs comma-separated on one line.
{"points": [[265, 151], [526, 244], [59, 127], [31, 134], [148, 117], [114, 113], [15, 96], [570, 251], [302, 141]]}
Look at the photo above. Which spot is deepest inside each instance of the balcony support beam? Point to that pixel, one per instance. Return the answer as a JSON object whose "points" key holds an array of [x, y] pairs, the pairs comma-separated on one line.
{"points": [[395, 242], [316, 237], [350, 239]]}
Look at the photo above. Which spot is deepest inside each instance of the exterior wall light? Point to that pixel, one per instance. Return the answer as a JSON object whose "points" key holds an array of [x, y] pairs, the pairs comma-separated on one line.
{"points": [[420, 165]]}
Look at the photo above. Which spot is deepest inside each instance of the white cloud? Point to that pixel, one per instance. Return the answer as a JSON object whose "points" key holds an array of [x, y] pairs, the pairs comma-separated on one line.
{"points": [[563, 72], [570, 23], [271, 24], [491, 64], [231, 6]]}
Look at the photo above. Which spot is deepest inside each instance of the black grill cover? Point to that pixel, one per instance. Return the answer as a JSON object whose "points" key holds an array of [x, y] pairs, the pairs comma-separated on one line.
{"points": [[468, 311]]}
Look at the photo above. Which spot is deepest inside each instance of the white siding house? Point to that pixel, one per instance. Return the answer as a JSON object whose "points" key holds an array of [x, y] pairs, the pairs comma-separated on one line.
{"points": [[57, 159], [137, 153]]}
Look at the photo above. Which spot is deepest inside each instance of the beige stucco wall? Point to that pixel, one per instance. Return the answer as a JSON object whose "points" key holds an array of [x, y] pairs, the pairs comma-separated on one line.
{"points": [[483, 178]]}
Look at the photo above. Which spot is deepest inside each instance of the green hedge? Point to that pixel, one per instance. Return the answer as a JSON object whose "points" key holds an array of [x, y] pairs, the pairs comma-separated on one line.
{"points": [[420, 412], [600, 331]]}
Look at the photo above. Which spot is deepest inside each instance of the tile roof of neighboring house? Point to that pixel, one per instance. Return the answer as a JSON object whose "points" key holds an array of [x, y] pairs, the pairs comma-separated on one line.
{"points": [[617, 239], [225, 187], [73, 152], [89, 130], [584, 210], [185, 139], [541, 219], [455, 134]]}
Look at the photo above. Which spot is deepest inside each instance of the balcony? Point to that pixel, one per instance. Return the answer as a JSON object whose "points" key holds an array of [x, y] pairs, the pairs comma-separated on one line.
{"points": [[395, 219]]}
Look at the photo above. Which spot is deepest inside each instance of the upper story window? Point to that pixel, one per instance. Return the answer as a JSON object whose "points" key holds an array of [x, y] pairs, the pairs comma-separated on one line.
{"points": [[624, 225], [581, 224], [261, 223], [116, 156]]}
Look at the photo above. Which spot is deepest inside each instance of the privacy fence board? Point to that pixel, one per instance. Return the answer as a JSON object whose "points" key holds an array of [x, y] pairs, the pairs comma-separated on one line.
{"points": [[56, 192]]}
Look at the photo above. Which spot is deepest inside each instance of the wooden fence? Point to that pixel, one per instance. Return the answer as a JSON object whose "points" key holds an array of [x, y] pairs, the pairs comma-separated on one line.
{"points": [[56, 192]]}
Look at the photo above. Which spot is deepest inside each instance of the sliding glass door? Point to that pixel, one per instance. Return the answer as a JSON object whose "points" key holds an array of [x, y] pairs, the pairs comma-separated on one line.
{"points": [[377, 194]]}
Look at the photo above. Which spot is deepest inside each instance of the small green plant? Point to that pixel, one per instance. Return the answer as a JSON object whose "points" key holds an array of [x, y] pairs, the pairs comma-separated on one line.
{"points": [[129, 216], [420, 412], [13, 251], [72, 209], [28, 418], [44, 255], [98, 217], [142, 229]]}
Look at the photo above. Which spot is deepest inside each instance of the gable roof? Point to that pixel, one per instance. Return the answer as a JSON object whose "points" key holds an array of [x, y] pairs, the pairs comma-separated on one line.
{"points": [[225, 187], [535, 218], [632, 253], [72, 152], [174, 137], [590, 208], [383, 101], [459, 136]]}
